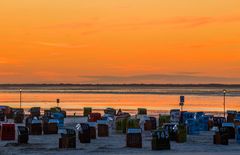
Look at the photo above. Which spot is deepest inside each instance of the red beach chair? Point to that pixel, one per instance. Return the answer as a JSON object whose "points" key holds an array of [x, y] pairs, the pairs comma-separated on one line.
{"points": [[93, 117], [7, 131]]}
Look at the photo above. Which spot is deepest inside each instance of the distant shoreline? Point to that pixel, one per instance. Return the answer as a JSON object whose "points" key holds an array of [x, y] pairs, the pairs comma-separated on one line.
{"points": [[120, 85], [150, 89]]}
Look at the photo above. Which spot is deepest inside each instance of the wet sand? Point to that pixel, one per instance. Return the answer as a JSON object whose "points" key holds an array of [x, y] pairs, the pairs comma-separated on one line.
{"points": [[116, 144]]}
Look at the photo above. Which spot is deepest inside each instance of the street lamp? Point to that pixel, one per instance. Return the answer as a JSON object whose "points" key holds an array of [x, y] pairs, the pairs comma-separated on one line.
{"points": [[224, 100], [20, 93]]}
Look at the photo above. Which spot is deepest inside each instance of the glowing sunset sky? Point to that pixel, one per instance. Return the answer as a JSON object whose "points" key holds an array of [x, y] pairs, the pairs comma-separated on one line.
{"points": [[119, 41]]}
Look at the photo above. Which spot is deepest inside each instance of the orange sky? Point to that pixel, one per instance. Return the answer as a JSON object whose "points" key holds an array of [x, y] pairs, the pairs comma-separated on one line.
{"points": [[124, 41]]}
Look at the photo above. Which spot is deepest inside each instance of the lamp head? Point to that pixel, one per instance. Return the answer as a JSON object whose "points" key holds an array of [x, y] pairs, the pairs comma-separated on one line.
{"points": [[224, 91]]}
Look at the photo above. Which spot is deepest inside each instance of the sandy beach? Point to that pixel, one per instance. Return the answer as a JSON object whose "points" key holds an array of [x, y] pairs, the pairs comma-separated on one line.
{"points": [[116, 144]]}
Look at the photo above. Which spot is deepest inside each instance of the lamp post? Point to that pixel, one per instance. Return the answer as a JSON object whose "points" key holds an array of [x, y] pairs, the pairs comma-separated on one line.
{"points": [[224, 100], [58, 101], [20, 93]]}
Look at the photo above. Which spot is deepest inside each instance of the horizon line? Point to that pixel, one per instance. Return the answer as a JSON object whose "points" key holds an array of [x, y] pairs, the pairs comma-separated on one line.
{"points": [[126, 84]]}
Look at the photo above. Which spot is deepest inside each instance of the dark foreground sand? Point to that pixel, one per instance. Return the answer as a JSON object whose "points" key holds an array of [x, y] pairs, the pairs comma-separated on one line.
{"points": [[115, 144]]}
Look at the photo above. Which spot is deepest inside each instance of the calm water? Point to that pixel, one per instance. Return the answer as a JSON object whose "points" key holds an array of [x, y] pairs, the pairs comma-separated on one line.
{"points": [[156, 99]]}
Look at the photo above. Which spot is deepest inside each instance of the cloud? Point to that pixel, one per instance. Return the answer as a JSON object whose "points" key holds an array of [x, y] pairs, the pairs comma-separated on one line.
{"points": [[211, 44], [160, 78], [95, 25], [181, 21], [6, 61], [88, 23], [59, 45], [188, 73], [46, 74], [190, 21], [3, 61], [9, 73]]}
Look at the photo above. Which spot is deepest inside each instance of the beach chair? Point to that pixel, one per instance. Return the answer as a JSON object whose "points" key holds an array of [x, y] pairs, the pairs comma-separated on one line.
{"points": [[163, 119], [160, 140], [221, 137], [134, 138], [84, 134], [87, 111], [110, 111], [217, 121], [60, 117], [50, 126], [36, 127], [133, 123], [153, 122], [103, 129], [193, 127], [142, 111], [238, 134], [181, 133], [203, 123], [7, 131], [93, 130], [175, 115], [172, 130], [121, 125], [2, 115], [93, 117], [35, 112], [18, 115], [68, 139], [231, 130], [231, 115], [23, 135]]}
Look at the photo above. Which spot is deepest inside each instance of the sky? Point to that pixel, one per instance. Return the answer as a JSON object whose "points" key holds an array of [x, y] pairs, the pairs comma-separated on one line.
{"points": [[120, 41]]}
